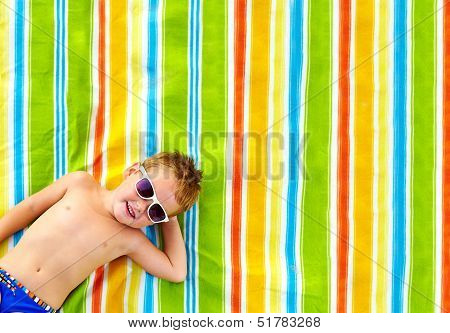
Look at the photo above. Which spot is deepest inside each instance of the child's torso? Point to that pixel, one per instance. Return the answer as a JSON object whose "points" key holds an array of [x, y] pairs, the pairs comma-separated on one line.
{"points": [[64, 245]]}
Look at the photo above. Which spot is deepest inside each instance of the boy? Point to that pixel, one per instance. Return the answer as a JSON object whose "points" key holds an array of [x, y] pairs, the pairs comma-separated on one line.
{"points": [[81, 226]]}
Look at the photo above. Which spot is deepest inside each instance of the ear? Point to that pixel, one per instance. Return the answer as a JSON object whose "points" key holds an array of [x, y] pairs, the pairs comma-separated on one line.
{"points": [[131, 169]]}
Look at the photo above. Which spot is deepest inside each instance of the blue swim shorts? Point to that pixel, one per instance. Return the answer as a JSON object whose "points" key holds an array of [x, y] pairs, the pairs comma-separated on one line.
{"points": [[14, 297]]}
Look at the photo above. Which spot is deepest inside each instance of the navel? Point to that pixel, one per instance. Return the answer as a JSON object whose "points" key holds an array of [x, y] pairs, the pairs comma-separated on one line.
{"points": [[38, 269]]}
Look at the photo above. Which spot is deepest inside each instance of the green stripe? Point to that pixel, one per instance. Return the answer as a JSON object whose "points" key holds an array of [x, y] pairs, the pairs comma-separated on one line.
{"points": [[79, 107], [314, 244], [175, 93], [40, 122], [421, 292], [214, 126]]}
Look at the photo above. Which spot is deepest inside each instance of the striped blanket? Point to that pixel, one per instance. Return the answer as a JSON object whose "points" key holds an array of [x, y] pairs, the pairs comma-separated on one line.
{"points": [[322, 127]]}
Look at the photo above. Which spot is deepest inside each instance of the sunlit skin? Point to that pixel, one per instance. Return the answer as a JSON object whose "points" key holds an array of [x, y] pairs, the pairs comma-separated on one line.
{"points": [[79, 226]]}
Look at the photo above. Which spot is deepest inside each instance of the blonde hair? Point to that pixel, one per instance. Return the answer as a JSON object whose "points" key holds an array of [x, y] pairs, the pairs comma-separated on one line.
{"points": [[183, 168]]}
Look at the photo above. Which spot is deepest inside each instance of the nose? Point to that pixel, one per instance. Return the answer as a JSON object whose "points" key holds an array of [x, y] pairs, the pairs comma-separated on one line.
{"points": [[142, 204]]}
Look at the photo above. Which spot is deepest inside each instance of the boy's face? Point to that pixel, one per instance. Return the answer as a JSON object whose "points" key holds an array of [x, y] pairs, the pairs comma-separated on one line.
{"points": [[165, 185]]}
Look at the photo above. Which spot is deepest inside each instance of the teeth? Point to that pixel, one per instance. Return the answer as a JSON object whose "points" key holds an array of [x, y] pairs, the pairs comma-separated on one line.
{"points": [[129, 209]]}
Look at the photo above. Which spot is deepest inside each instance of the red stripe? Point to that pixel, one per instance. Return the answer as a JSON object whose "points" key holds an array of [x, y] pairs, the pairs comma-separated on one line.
{"points": [[239, 72], [99, 133], [343, 154], [446, 166]]}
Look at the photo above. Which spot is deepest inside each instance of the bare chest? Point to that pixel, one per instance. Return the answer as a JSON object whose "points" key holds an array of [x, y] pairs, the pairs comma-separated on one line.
{"points": [[74, 228]]}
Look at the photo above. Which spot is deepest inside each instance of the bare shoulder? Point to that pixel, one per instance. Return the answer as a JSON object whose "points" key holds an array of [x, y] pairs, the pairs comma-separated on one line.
{"points": [[79, 178]]}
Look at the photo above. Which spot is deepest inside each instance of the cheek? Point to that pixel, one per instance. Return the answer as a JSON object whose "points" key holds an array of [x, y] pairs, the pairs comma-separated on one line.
{"points": [[119, 211]]}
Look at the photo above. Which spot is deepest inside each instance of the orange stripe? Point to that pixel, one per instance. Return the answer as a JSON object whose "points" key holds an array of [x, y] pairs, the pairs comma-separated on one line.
{"points": [[116, 138], [257, 166], [239, 70], [445, 301], [343, 154], [99, 133]]}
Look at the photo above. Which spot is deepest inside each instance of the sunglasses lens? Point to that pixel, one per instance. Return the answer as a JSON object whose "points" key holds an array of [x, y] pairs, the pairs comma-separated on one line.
{"points": [[145, 188], [157, 213]]}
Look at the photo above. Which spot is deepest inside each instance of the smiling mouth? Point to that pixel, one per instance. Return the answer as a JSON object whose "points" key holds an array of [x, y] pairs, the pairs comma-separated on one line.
{"points": [[130, 210]]}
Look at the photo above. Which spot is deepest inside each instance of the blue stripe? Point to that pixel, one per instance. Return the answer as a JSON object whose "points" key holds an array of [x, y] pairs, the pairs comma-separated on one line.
{"points": [[60, 92], [191, 302], [57, 92], [151, 138], [64, 90], [19, 126], [399, 161], [295, 76]]}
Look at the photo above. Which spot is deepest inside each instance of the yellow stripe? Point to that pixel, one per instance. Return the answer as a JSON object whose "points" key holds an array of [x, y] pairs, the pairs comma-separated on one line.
{"points": [[116, 140], [257, 160], [136, 106], [383, 124], [4, 78], [276, 147], [363, 210]]}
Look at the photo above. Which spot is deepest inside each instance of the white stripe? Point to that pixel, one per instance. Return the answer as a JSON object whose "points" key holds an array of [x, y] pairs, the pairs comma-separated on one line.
{"points": [[271, 111], [333, 167], [160, 75], [159, 120], [390, 150], [143, 92], [11, 116], [229, 160], [438, 150], [128, 126], [190, 105], [95, 88], [351, 198], [142, 142], [104, 288], [129, 270], [161, 16], [286, 136], [129, 87], [10, 109], [197, 148], [90, 288], [27, 85]]}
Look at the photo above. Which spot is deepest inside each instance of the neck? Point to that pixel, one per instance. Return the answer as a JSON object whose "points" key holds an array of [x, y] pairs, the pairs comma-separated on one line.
{"points": [[106, 200]]}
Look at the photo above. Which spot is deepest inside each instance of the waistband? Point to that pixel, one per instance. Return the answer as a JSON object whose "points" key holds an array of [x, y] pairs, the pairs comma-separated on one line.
{"points": [[12, 284]]}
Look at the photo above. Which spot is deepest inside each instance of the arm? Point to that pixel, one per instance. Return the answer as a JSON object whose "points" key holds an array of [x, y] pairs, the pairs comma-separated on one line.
{"points": [[169, 264], [35, 205]]}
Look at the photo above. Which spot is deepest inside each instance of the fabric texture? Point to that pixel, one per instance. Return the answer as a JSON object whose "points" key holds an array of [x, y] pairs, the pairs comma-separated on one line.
{"points": [[322, 127], [15, 297]]}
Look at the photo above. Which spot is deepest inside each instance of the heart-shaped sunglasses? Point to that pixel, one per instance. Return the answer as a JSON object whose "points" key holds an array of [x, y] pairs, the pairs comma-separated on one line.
{"points": [[146, 190]]}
